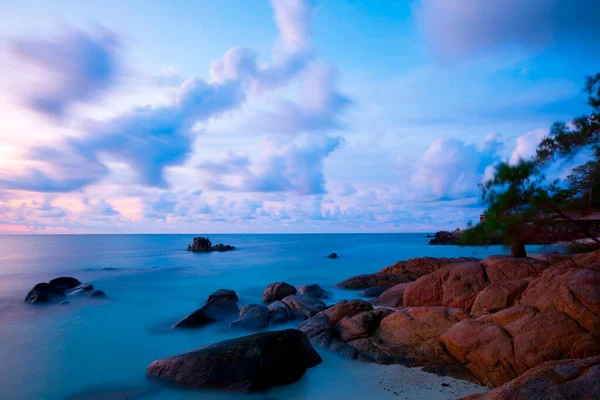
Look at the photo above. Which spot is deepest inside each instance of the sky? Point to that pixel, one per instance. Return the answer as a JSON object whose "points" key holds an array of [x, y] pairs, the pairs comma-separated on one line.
{"points": [[280, 116]]}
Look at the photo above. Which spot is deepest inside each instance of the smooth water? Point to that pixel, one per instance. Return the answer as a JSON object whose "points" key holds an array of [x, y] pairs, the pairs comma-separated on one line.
{"points": [[100, 348]]}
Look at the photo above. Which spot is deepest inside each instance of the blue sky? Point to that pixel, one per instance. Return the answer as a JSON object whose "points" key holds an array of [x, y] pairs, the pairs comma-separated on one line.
{"points": [[277, 116]]}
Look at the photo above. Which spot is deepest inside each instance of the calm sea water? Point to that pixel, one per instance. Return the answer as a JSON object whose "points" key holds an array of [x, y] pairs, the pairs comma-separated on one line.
{"points": [[93, 347]]}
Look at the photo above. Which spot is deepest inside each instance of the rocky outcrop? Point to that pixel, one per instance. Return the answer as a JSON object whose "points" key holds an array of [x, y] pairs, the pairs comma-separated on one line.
{"points": [[401, 272], [372, 292], [252, 316], [498, 296], [59, 288], [312, 290], [279, 312], [565, 379], [453, 286], [503, 268], [223, 294], [249, 363], [446, 237], [277, 291], [216, 309], [393, 297], [204, 245], [305, 305]]}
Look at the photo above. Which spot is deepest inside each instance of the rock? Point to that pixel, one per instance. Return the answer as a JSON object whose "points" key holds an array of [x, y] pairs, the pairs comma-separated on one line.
{"points": [[504, 268], [372, 292], [312, 290], [249, 363], [224, 294], [308, 306], [332, 255], [57, 289], [97, 293], [279, 312], [569, 288], [445, 237], [413, 334], [43, 292], [453, 286], [252, 316], [393, 297], [378, 279], [65, 282], [361, 325], [344, 309], [486, 350], [565, 379], [508, 315], [498, 296], [218, 309], [554, 335], [204, 245], [277, 291], [315, 326]]}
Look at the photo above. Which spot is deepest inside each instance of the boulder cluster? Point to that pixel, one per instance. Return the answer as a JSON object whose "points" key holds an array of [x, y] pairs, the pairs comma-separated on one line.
{"points": [[445, 237], [500, 321], [59, 289], [204, 245]]}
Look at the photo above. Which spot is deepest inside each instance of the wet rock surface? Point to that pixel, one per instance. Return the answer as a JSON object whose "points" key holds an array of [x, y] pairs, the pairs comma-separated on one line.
{"points": [[60, 288], [277, 291]]}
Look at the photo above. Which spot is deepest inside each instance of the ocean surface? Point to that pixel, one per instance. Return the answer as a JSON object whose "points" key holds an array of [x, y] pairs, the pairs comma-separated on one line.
{"points": [[99, 348]]}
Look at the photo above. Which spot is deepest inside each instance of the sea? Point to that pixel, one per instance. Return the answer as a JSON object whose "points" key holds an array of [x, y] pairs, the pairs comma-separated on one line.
{"points": [[99, 348]]}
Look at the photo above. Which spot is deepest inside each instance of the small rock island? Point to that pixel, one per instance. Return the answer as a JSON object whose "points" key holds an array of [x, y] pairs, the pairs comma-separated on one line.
{"points": [[204, 245]]}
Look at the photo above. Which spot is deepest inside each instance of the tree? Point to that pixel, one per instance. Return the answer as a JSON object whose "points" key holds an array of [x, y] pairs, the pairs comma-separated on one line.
{"points": [[519, 201], [584, 184]]}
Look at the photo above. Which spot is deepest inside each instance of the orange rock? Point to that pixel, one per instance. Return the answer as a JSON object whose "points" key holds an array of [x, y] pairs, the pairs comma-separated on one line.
{"points": [[508, 315], [568, 288], [418, 267], [554, 335], [393, 297], [414, 332], [498, 296], [453, 286], [565, 379], [486, 350], [504, 268]]}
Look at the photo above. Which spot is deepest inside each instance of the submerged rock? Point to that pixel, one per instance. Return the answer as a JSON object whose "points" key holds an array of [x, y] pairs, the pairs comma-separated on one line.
{"points": [[332, 255], [204, 245], [308, 306], [252, 316], [57, 289], [224, 294], [217, 309], [277, 291], [312, 290], [248, 363]]}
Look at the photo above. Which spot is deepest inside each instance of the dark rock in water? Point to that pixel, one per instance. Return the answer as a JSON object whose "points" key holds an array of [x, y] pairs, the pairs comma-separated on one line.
{"points": [[65, 283], [308, 306], [249, 363], [224, 294], [57, 289], [83, 288], [97, 293], [332, 255], [203, 245], [313, 290], [43, 292], [445, 237], [372, 291], [277, 291], [252, 316], [279, 312], [218, 309]]}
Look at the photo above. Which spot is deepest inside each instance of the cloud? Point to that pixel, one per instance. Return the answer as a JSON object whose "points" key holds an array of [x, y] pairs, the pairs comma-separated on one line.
{"points": [[527, 145], [150, 139], [73, 68], [463, 27], [347, 190], [451, 169], [296, 168], [99, 209]]}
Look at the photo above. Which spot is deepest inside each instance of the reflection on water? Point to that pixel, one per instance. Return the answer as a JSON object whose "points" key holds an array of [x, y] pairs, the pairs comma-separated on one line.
{"points": [[99, 348]]}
